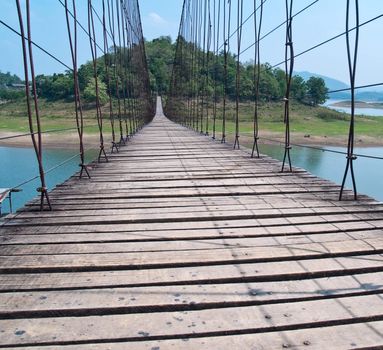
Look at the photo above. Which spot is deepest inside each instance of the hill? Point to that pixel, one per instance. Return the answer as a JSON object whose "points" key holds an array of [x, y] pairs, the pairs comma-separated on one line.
{"points": [[372, 94]]}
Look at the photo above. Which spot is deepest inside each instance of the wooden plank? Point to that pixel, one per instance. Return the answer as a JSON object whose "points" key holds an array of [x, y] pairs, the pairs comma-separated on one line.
{"points": [[180, 325], [83, 302], [259, 209], [89, 247], [203, 229], [179, 237], [351, 336], [253, 272], [100, 261]]}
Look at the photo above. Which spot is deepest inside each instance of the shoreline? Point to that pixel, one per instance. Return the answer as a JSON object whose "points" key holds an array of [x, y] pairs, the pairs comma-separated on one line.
{"points": [[358, 104], [70, 140], [318, 141], [50, 141]]}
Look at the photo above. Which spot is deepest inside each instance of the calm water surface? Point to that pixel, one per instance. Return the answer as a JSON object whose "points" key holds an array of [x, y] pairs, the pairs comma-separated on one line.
{"points": [[368, 172], [19, 164], [372, 112]]}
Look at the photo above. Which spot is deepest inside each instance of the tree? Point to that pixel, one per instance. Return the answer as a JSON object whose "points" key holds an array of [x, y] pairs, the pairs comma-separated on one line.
{"points": [[7, 79], [90, 92], [298, 88], [56, 86], [316, 91], [160, 54]]}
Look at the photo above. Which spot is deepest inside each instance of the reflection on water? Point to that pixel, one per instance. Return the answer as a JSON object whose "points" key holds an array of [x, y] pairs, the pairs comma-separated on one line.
{"points": [[368, 172]]}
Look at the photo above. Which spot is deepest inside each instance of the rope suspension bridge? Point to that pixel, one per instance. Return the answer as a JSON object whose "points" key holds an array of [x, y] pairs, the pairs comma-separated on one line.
{"points": [[176, 237]]}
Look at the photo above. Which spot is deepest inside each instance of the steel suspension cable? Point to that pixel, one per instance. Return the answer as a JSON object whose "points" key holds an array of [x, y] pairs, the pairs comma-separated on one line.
{"points": [[37, 143], [78, 105], [111, 21], [203, 52], [238, 71], [216, 43], [207, 68], [129, 73], [243, 23], [289, 53], [195, 74], [122, 52], [226, 53], [199, 53], [87, 33], [93, 49], [281, 24], [107, 71], [36, 45], [352, 63], [332, 39], [257, 76]]}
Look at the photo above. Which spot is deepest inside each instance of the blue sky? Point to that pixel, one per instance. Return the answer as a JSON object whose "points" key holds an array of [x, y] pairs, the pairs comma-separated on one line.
{"points": [[324, 19]]}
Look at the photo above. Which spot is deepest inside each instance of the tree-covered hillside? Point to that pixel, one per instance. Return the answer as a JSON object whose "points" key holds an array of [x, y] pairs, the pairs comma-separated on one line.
{"points": [[161, 54], [160, 58]]}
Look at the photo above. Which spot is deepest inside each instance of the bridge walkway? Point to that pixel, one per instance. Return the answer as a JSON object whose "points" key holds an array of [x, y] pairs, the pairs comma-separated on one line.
{"points": [[180, 242]]}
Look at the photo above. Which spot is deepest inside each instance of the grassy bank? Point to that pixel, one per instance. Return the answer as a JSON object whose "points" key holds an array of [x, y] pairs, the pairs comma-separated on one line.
{"points": [[318, 125], [54, 115], [308, 124]]}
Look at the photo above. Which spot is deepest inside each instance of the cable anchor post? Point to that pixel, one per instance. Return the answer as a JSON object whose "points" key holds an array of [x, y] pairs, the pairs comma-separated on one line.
{"points": [[84, 168], [44, 194], [101, 154], [349, 166], [255, 148], [114, 147], [288, 157], [236, 142]]}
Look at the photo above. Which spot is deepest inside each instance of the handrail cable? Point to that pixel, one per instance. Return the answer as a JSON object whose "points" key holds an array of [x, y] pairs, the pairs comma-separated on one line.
{"points": [[59, 165], [42, 132], [323, 149]]}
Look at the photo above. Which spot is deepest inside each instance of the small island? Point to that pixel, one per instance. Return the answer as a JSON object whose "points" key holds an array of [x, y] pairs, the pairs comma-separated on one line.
{"points": [[358, 104]]}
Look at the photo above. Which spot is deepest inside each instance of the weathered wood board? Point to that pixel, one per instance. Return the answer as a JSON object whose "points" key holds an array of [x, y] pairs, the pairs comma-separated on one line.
{"points": [[180, 242]]}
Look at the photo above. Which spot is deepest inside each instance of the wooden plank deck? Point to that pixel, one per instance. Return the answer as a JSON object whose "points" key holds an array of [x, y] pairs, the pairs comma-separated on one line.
{"points": [[180, 242]]}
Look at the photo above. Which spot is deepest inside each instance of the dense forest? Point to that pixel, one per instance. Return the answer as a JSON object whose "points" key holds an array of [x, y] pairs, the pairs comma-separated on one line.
{"points": [[161, 56], [208, 69]]}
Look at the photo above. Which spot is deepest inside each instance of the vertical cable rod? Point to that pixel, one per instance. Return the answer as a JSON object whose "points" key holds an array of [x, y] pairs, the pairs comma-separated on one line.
{"points": [[289, 67], [352, 63]]}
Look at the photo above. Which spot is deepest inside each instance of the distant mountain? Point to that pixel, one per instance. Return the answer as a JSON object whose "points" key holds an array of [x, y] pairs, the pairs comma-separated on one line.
{"points": [[368, 95], [331, 83]]}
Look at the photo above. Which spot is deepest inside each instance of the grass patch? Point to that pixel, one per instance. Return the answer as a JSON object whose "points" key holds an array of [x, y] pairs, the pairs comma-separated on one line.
{"points": [[304, 120]]}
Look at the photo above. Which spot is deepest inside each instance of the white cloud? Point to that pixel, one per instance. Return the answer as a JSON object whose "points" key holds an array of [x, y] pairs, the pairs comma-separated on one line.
{"points": [[155, 18]]}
